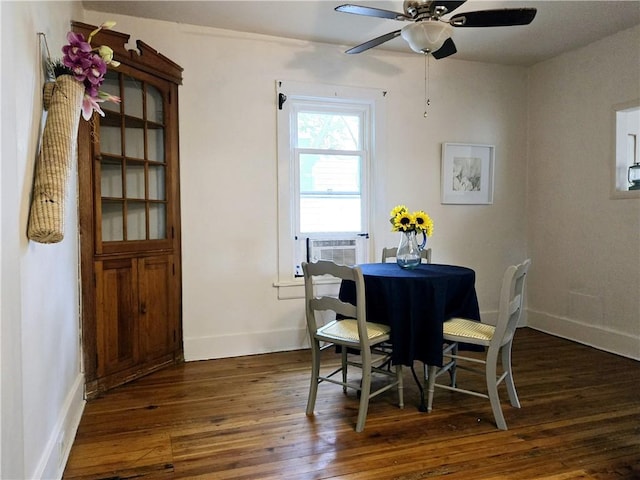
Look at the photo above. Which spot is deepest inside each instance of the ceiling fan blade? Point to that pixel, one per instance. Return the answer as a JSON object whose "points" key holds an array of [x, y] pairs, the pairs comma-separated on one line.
{"points": [[372, 12], [374, 43], [450, 6], [448, 48], [494, 18]]}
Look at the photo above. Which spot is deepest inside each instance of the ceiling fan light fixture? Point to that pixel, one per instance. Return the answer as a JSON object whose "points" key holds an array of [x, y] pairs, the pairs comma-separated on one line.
{"points": [[426, 36]]}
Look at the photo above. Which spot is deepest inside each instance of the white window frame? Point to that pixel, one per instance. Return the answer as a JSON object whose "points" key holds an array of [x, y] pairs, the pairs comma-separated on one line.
{"points": [[370, 103]]}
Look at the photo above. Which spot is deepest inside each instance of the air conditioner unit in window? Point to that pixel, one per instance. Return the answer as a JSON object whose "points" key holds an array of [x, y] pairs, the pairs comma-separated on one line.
{"points": [[342, 251]]}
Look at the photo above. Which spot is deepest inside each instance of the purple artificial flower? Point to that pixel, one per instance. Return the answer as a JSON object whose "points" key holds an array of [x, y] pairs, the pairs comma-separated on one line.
{"points": [[88, 66], [80, 68], [91, 90], [77, 48], [76, 43], [96, 70]]}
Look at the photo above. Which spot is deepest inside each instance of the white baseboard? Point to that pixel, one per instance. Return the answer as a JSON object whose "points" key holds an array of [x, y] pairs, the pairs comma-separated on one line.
{"points": [[599, 337], [224, 346], [56, 453]]}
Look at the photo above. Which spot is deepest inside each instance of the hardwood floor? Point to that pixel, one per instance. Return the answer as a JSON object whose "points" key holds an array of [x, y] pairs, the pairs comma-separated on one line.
{"points": [[243, 418]]}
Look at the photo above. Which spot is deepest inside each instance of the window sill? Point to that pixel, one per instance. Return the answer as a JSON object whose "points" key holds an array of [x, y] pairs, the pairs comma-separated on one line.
{"points": [[625, 194]]}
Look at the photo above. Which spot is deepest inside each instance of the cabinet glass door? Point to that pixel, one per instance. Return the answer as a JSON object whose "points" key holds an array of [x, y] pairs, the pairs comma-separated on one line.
{"points": [[133, 169]]}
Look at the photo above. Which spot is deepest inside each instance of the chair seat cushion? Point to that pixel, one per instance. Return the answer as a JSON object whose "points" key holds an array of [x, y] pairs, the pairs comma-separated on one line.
{"points": [[348, 330], [460, 329]]}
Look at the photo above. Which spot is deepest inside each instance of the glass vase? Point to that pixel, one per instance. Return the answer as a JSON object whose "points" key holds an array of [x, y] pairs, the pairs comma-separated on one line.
{"points": [[409, 252]]}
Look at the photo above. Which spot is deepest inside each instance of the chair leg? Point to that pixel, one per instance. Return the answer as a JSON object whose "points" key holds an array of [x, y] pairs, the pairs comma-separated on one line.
{"points": [[492, 390], [400, 386], [506, 365], [315, 373], [452, 370], [431, 381], [344, 369], [364, 395]]}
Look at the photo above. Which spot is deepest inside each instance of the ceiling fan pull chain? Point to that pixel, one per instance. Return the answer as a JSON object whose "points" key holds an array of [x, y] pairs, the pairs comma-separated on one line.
{"points": [[427, 100]]}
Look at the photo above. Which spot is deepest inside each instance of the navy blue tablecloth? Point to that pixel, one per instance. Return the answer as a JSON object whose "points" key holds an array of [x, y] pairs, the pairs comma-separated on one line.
{"points": [[415, 303]]}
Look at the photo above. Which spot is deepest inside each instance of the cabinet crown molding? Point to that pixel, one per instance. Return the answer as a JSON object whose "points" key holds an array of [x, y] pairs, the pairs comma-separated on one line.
{"points": [[145, 58]]}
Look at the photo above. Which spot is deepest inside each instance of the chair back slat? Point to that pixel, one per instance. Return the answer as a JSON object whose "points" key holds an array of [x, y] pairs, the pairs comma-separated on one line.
{"points": [[511, 300], [331, 303], [515, 304]]}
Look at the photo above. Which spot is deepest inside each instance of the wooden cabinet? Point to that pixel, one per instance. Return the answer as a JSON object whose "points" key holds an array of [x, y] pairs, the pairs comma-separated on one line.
{"points": [[130, 219]]}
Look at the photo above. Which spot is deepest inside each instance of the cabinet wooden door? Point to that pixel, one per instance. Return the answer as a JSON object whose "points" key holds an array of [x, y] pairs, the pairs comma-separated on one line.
{"points": [[117, 321], [158, 310], [128, 172], [136, 316]]}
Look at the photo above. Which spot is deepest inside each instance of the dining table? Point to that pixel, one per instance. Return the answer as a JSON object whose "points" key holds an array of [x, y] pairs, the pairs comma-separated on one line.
{"points": [[415, 303]]}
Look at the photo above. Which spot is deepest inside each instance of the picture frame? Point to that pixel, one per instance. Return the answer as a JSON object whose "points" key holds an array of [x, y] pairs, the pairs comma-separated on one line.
{"points": [[467, 173]]}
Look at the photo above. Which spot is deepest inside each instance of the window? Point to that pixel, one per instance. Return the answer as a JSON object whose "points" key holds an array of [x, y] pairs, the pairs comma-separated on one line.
{"points": [[626, 150], [328, 158], [326, 151]]}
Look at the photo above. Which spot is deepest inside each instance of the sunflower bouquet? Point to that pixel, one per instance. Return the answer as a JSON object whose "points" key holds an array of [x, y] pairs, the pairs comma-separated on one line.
{"points": [[404, 221]]}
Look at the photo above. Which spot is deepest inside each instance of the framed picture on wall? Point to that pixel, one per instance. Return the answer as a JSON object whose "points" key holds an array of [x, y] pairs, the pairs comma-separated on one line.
{"points": [[467, 173]]}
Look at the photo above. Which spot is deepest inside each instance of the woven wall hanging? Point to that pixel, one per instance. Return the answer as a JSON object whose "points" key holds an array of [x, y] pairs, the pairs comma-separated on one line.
{"points": [[63, 100]]}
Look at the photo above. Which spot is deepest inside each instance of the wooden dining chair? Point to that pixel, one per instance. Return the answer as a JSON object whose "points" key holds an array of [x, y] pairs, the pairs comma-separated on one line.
{"points": [[347, 328], [391, 252], [497, 341]]}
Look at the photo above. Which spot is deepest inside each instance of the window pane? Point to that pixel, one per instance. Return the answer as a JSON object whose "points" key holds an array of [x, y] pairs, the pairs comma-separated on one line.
{"points": [[329, 131], [155, 144], [156, 182], [136, 217], [110, 140], [157, 221], [328, 214], [111, 85], [112, 221], [154, 104], [132, 97], [111, 179], [135, 181], [134, 142], [329, 174]]}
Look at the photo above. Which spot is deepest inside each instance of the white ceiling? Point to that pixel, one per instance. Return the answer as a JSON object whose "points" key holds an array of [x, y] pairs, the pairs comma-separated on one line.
{"points": [[558, 27]]}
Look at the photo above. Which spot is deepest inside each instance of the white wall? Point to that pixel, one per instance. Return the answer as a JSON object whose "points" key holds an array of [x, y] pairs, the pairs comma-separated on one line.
{"points": [[228, 170], [41, 386], [585, 280], [227, 129]]}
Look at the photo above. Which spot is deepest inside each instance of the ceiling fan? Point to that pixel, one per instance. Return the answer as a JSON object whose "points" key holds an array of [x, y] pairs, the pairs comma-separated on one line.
{"points": [[428, 31]]}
